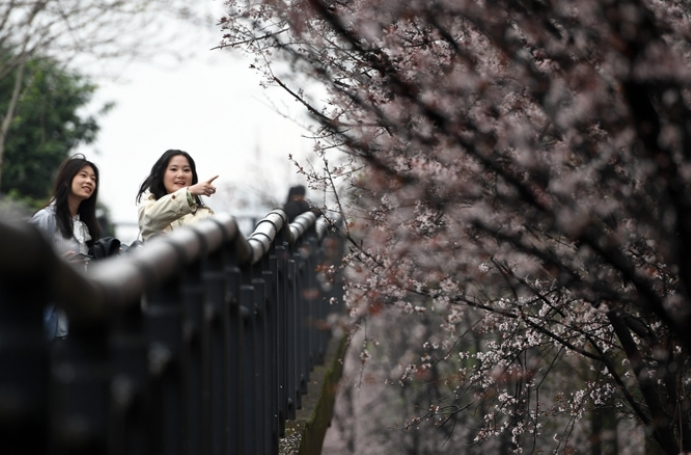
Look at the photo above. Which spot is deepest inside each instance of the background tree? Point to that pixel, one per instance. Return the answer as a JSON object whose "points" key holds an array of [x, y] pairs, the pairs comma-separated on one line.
{"points": [[78, 34], [522, 170], [45, 127]]}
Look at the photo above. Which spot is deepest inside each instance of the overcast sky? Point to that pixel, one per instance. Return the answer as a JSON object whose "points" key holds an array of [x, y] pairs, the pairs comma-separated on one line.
{"points": [[211, 106]]}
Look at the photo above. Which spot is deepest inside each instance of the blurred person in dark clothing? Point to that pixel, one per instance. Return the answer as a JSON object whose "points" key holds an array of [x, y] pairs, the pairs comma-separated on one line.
{"points": [[296, 203]]}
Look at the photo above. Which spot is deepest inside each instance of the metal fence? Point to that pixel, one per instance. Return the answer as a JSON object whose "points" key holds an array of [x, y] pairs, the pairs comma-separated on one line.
{"points": [[201, 342]]}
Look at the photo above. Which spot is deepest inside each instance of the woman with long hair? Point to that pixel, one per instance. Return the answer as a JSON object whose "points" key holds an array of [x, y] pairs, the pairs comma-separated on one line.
{"points": [[170, 196], [69, 220], [69, 223]]}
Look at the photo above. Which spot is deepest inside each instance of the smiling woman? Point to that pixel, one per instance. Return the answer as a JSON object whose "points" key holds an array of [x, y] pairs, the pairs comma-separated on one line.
{"points": [[69, 223], [171, 195], [69, 220]]}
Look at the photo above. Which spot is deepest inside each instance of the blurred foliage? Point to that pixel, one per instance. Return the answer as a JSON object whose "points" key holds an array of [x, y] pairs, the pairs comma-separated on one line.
{"points": [[47, 126]]}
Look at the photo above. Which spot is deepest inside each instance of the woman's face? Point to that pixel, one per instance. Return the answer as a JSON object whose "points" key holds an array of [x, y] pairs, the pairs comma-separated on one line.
{"points": [[84, 183], [178, 174]]}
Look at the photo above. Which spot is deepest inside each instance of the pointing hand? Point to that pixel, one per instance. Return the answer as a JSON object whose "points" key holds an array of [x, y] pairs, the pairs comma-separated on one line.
{"points": [[204, 188]]}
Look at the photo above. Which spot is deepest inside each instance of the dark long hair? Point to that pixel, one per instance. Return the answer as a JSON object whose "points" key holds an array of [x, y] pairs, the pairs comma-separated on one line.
{"points": [[154, 182], [62, 186]]}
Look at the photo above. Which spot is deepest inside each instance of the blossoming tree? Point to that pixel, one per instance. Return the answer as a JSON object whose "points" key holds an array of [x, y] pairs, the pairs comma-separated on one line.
{"points": [[518, 172]]}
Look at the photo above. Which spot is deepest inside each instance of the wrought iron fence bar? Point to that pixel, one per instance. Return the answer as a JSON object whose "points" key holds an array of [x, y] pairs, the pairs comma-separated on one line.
{"points": [[163, 318], [293, 401], [278, 267], [215, 351], [260, 366], [24, 387], [235, 352], [310, 302], [272, 340], [250, 418], [301, 327], [191, 360], [130, 386]]}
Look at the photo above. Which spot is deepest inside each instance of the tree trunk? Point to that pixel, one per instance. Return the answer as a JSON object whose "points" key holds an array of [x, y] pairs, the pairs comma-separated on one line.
{"points": [[7, 119]]}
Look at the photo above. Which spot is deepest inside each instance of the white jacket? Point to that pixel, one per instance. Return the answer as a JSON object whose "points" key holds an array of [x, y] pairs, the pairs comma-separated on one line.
{"points": [[169, 212], [47, 224]]}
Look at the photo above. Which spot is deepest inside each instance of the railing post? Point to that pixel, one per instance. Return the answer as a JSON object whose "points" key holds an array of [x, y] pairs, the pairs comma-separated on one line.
{"points": [[272, 359], [281, 339], [80, 395], [195, 388], [322, 309], [163, 324], [261, 360], [302, 284], [216, 357], [130, 401], [235, 349], [248, 371], [312, 293], [25, 372], [294, 400]]}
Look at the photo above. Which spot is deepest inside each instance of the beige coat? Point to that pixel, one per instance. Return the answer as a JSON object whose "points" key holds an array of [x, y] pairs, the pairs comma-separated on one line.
{"points": [[170, 212]]}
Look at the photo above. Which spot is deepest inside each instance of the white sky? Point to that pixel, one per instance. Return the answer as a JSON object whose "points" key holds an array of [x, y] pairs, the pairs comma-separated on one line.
{"points": [[211, 106]]}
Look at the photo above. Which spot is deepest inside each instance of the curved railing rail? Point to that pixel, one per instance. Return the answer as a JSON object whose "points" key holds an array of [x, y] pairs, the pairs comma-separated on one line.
{"points": [[201, 342]]}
